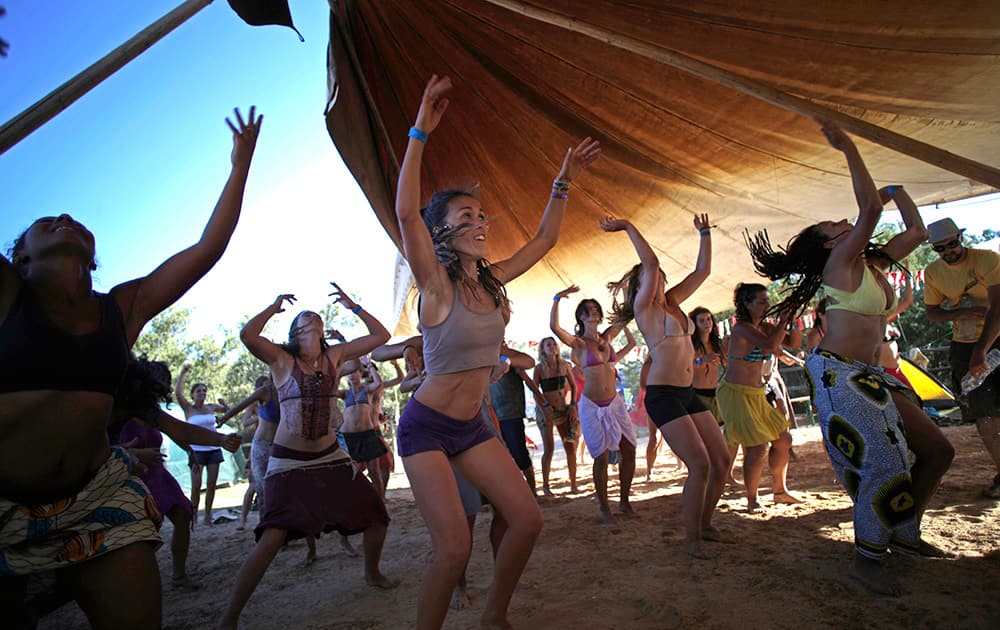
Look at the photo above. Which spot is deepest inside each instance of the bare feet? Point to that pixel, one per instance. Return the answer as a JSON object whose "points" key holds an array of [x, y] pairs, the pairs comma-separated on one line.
{"points": [[607, 517], [381, 581], [574, 490], [241, 527], [754, 507], [712, 534], [208, 521], [345, 544], [310, 557], [870, 574], [548, 493], [626, 509], [489, 621], [460, 598], [785, 497], [695, 550]]}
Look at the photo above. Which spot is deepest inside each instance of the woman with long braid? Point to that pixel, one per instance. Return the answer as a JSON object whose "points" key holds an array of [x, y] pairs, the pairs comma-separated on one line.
{"points": [[463, 312], [859, 407], [686, 424]]}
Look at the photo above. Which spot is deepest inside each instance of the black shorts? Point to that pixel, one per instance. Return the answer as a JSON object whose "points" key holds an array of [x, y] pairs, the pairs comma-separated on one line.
{"points": [[984, 401], [667, 402], [204, 458], [513, 435]]}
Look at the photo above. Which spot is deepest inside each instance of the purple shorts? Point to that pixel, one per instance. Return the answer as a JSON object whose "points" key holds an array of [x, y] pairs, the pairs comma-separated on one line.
{"points": [[424, 429]]}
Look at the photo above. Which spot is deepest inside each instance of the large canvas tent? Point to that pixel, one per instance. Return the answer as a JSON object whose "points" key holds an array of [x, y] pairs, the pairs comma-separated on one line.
{"points": [[700, 106]]}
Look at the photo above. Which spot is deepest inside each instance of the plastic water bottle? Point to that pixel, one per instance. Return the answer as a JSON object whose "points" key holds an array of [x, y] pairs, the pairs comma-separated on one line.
{"points": [[970, 382]]}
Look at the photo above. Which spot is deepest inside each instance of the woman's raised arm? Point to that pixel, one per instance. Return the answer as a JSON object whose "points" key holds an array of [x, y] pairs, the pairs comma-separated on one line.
{"points": [[144, 298]]}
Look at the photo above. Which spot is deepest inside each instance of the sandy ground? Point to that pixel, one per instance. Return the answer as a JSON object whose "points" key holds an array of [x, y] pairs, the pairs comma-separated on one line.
{"points": [[787, 570]]}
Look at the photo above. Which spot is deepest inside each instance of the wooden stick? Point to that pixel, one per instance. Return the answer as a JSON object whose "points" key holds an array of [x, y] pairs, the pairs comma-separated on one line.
{"points": [[879, 135], [22, 125]]}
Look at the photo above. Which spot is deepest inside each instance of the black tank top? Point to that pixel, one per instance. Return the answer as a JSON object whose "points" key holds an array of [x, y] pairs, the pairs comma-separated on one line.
{"points": [[35, 354]]}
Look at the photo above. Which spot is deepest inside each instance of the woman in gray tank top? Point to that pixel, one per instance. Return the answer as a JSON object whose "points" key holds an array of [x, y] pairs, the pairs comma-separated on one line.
{"points": [[463, 313]]}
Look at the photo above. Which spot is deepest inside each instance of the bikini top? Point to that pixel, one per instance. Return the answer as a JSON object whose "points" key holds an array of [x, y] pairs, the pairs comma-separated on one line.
{"points": [[269, 411], [36, 354], [552, 383], [868, 299], [756, 356], [465, 340], [362, 398], [671, 328], [593, 359], [305, 400]]}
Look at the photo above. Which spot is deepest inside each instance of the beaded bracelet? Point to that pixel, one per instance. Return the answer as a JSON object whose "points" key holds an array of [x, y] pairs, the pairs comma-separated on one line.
{"points": [[417, 134], [559, 195], [561, 186]]}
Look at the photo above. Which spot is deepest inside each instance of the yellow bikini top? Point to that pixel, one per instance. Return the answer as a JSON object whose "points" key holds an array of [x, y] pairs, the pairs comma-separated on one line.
{"points": [[867, 299]]}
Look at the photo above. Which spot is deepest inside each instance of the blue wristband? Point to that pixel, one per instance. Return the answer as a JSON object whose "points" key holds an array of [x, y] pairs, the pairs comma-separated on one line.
{"points": [[356, 309], [417, 134], [504, 357], [889, 190], [705, 232], [556, 298]]}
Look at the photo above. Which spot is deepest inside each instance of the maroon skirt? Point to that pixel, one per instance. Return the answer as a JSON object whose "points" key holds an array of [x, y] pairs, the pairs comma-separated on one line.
{"points": [[317, 499]]}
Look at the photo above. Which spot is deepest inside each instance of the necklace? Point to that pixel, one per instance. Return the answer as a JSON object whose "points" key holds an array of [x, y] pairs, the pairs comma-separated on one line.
{"points": [[315, 368]]}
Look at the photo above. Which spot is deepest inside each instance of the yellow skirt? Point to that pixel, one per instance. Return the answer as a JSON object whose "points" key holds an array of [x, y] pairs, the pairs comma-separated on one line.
{"points": [[750, 419]]}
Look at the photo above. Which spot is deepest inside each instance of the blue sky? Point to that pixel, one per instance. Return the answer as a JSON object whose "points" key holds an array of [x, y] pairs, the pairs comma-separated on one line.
{"points": [[141, 159]]}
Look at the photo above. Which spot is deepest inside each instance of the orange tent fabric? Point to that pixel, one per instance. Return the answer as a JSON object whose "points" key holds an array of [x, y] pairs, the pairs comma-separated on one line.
{"points": [[675, 143]]}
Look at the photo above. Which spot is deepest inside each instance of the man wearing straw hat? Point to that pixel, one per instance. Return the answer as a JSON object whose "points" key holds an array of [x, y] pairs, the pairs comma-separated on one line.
{"points": [[963, 287]]}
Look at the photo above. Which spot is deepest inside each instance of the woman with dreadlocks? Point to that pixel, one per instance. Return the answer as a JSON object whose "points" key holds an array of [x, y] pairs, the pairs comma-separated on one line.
{"points": [[686, 424], [463, 312], [859, 411]]}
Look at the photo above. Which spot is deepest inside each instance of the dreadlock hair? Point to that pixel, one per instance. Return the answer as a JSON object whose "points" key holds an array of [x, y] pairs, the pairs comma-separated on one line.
{"points": [[293, 347], [622, 310], [713, 337], [581, 311], [434, 216], [145, 385], [801, 262], [744, 294]]}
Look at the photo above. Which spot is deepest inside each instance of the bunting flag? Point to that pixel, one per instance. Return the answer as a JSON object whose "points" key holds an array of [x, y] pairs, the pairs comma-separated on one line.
{"points": [[265, 13]]}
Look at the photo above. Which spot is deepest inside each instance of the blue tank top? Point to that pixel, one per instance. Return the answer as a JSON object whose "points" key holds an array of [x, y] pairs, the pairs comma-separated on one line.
{"points": [[270, 411]]}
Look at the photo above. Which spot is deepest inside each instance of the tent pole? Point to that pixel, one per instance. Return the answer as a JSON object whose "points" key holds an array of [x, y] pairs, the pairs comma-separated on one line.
{"points": [[365, 90], [22, 125], [879, 135]]}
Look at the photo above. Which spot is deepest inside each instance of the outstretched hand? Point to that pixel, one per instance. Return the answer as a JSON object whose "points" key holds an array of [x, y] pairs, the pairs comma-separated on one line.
{"points": [[340, 297], [834, 134], [579, 158], [701, 222], [433, 103], [231, 442], [244, 137], [279, 302], [568, 290], [611, 224]]}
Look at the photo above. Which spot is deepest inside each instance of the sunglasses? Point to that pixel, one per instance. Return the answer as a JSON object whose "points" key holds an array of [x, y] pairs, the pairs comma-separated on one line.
{"points": [[952, 244]]}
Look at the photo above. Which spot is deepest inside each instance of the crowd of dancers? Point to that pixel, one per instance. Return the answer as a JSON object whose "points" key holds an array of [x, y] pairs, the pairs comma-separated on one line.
{"points": [[88, 513]]}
